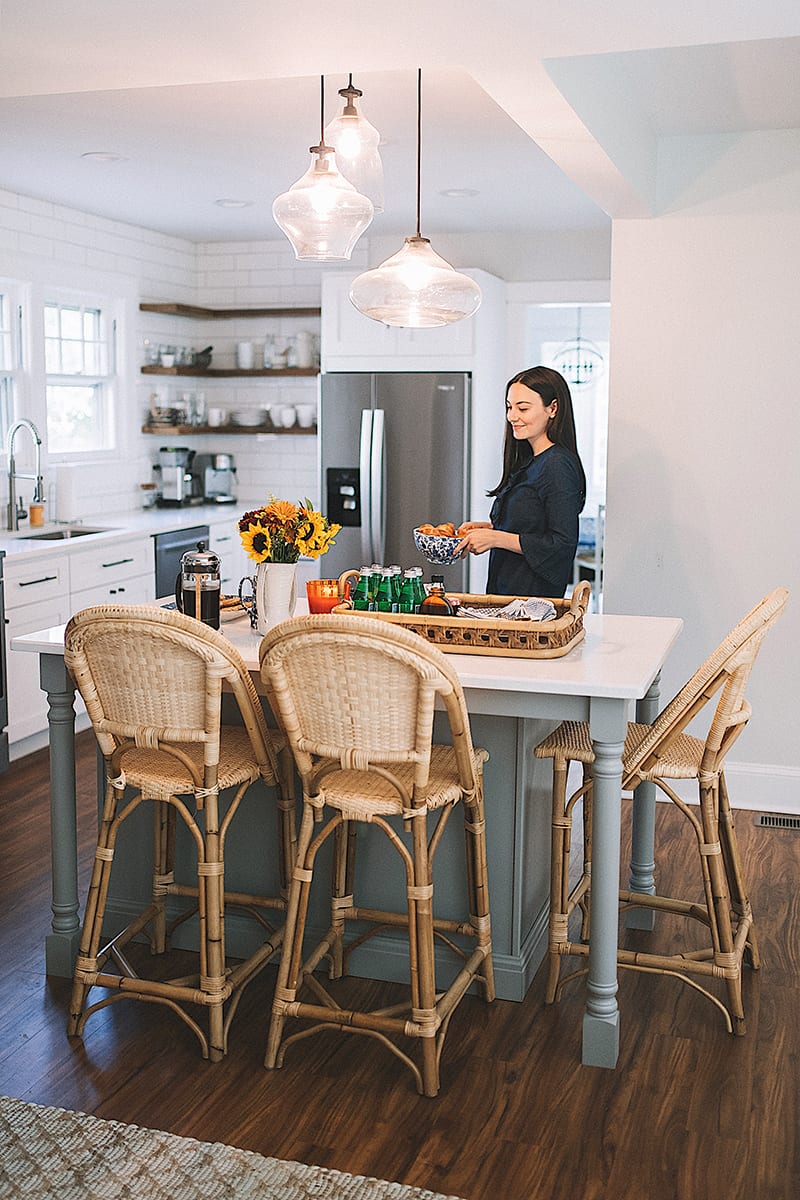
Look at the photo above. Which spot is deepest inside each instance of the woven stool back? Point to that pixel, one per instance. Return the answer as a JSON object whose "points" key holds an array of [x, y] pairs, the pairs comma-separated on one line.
{"points": [[728, 667], [154, 677], [360, 691]]}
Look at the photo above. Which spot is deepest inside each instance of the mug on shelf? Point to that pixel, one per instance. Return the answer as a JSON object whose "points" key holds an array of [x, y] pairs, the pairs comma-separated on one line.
{"points": [[287, 415], [245, 356], [306, 414], [216, 417]]}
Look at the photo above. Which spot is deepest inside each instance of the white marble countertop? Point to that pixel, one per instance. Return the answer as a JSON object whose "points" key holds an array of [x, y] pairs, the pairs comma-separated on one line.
{"points": [[115, 528], [615, 659]]}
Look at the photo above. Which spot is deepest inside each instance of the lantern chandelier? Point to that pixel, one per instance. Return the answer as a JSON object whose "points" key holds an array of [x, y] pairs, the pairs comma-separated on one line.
{"points": [[415, 288], [579, 360], [322, 214], [356, 142]]}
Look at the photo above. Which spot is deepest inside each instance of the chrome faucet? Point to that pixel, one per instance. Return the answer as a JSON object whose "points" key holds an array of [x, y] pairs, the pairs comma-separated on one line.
{"points": [[16, 509]]}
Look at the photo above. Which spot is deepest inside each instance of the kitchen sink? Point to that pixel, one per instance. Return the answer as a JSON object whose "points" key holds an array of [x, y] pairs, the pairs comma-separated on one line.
{"points": [[61, 535]]}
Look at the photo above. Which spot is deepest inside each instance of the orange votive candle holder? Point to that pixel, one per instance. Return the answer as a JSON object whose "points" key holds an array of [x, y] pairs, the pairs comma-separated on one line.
{"points": [[323, 594]]}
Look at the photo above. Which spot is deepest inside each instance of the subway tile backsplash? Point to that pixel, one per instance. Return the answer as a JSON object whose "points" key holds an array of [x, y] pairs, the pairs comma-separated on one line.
{"points": [[39, 238]]}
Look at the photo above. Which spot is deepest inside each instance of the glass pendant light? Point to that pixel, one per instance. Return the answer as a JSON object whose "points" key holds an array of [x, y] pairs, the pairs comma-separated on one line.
{"points": [[415, 288], [356, 144], [322, 215]]}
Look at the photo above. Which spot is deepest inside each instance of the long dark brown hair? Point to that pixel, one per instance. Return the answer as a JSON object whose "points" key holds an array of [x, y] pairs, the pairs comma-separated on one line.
{"points": [[549, 386]]}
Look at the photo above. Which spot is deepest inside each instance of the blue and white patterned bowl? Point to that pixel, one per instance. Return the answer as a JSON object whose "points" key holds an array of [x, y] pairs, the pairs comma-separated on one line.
{"points": [[436, 548]]}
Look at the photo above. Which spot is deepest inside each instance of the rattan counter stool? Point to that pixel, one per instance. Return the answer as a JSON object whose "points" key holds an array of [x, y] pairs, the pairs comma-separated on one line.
{"points": [[355, 697], [152, 683], [658, 753]]}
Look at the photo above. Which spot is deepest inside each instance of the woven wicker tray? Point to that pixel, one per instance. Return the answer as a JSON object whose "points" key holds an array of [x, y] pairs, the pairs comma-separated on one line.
{"points": [[491, 635]]}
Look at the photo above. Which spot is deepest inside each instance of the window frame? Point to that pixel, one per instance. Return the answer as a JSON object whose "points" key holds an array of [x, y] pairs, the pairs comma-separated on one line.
{"points": [[15, 372], [109, 308]]}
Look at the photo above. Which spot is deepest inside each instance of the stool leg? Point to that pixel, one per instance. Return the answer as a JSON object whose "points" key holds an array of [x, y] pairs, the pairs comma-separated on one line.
{"points": [[719, 906], [586, 890], [421, 956], [291, 963], [344, 852], [211, 889], [561, 825], [95, 909], [733, 867], [478, 883], [163, 856]]}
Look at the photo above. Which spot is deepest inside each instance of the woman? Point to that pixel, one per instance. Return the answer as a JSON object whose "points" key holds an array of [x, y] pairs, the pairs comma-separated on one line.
{"points": [[533, 531]]}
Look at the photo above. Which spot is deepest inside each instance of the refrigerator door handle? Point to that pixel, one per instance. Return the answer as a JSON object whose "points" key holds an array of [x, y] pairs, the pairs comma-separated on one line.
{"points": [[365, 476], [378, 485]]}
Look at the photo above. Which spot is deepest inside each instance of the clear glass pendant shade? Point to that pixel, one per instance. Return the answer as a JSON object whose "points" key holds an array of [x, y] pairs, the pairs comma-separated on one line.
{"points": [[356, 144], [415, 288], [323, 215]]}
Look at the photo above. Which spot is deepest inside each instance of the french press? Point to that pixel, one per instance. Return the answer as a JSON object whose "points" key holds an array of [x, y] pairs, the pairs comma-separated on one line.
{"points": [[198, 584]]}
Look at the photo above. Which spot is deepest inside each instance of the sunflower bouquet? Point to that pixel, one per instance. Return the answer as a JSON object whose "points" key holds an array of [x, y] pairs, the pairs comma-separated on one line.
{"points": [[280, 532]]}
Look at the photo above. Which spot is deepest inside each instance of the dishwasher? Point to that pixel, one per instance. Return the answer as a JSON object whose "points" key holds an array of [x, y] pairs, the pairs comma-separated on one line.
{"points": [[170, 548]]}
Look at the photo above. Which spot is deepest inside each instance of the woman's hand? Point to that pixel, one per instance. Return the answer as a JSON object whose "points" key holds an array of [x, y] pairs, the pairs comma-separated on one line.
{"points": [[476, 538], [479, 536]]}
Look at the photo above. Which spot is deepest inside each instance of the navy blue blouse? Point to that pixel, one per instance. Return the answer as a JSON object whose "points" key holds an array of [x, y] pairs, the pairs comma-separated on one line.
{"points": [[541, 502]]}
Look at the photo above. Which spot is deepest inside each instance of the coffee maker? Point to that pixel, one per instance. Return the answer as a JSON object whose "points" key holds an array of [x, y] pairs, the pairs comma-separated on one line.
{"points": [[178, 484], [216, 475]]}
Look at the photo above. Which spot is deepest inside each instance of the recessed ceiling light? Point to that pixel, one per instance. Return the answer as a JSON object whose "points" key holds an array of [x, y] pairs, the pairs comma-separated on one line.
{"points": [[104, 156], [227, 202], [459, 193]]}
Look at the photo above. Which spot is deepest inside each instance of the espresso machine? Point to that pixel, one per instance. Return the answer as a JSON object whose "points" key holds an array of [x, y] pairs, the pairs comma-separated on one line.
{"points": [[216, 473], [178, 483]]}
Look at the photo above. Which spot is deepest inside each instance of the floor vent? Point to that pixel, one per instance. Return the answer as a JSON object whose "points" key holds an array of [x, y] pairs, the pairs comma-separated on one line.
{"points": [[778, 821]]}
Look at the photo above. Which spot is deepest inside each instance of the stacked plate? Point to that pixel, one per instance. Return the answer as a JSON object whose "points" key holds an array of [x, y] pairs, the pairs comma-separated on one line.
{"points": [[166, 416], [249, 417]]}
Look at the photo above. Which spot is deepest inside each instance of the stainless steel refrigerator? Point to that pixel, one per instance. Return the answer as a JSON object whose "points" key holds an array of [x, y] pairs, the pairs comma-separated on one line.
{"points": [[394, 453]]}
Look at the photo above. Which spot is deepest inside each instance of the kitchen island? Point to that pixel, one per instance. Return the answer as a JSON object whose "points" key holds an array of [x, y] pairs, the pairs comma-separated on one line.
{"points": [[513, 703]]}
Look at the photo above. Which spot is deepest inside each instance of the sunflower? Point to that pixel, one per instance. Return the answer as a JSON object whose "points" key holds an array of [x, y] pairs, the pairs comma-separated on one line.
{"points": [[281, 514], [315, 535], [256, 541]]}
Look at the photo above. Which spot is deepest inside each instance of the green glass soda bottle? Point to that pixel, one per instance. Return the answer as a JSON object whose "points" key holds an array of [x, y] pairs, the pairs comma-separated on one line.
{"points": [[362, 595], [375, 569], [419, 588], [408, 602], [397, 583], [384, 601]]}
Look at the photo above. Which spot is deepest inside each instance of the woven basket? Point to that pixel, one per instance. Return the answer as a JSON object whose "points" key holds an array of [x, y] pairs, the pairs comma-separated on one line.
{"points": [[491, 635]]}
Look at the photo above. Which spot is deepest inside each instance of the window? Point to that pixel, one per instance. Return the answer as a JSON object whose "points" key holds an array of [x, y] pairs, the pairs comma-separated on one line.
{"points": [[79, 365], [9, 357]]}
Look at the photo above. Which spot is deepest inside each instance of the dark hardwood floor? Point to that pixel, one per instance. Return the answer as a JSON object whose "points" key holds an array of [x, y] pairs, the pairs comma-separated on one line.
{"points": [[690, 1113]]}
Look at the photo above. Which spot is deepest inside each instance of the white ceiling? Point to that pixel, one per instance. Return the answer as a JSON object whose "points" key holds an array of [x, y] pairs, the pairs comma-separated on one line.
{"points": [[552, 115]]}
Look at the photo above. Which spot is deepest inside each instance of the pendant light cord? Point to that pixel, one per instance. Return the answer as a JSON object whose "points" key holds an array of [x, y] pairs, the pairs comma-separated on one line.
{"points": [[419, 141], [322, 110]]}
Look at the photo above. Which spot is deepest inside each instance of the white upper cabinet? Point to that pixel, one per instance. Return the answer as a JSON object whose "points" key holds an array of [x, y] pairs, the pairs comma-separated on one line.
{"points": [[353, 342]]}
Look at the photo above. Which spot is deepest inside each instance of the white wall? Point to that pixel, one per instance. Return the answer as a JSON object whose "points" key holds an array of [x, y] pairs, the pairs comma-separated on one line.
{"points": [[703, 481]]}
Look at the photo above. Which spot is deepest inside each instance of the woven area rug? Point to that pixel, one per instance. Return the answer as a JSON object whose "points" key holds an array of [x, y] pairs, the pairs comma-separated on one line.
{"points": [[53, 1153]]}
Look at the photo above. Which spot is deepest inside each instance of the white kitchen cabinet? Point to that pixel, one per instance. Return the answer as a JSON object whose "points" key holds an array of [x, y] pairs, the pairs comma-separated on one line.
{"points": [[115, 573], [234, 564], [37, 596], [138, 590], [106, 565], [29, 581], [353, 342]]}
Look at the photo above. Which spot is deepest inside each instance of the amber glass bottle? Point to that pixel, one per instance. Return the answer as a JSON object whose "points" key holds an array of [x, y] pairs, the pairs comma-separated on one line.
{"points": [[436, 603]]}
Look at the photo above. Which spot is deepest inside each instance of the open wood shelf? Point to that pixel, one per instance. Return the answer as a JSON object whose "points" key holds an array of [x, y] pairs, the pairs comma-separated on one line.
{"points": [[227, 372], [219, 314], [188, 430]]}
